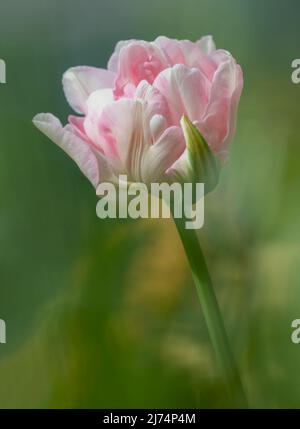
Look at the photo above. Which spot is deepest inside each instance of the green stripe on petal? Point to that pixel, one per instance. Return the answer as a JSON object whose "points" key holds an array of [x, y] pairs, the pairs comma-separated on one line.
{"points": [[202, 165]]}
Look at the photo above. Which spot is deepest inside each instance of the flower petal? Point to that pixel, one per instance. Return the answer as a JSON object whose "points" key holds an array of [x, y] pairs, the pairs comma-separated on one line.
{"points": [[172, 50], [235, 98], [94, 105], [218, 124], [206, 44], [113, 63], [156, 102], [80, 82], [138, 61], [125, 132], [188, 53], [161, 156], [185, 90], [87, 160], [158, 124]]}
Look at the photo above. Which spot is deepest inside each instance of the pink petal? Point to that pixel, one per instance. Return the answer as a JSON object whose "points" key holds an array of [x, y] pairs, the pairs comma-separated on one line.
{"points": [[218, 124], [188, 53], [87, 160], [162, 155], [172, 50], [125, 133], [113, 63], [185, 90], [80, 82], [138, 61], [234, 105], [206, 44], [129, 145], [156, 102], [77, 123], [94, 106]]}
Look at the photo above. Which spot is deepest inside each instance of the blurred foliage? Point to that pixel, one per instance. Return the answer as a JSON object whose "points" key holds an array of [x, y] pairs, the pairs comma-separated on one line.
{"points": [[105, 314]]}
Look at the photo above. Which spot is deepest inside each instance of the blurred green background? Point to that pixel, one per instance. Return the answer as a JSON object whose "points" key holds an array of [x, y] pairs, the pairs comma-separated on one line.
{"points": [[103, 313]]}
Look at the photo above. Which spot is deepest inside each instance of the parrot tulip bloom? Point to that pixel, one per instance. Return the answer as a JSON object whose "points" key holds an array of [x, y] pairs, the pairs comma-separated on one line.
{"points": [[130, 114], [163, 111]]}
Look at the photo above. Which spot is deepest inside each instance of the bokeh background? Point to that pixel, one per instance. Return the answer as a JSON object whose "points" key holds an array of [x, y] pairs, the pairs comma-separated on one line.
{"points": [[105, 313]]}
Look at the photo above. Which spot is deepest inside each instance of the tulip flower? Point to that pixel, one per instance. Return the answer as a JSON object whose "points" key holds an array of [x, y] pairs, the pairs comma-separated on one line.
{"points": [[161, 111]]}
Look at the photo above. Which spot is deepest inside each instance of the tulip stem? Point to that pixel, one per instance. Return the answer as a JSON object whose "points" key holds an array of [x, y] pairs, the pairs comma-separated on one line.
{"points": [[211, 312]]}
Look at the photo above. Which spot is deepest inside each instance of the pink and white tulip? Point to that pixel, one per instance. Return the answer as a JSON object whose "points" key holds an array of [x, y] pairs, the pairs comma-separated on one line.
{"points": [[135, 116]]}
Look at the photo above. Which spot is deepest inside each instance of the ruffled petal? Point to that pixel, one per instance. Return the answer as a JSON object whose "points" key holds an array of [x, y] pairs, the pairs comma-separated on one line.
{"points": [[87, 160], [95, 105], [185, 90], [113, 62], [188, 53], [218, 124], [172, 50], [161, 156], [125, 132], [80, 82], [206, 44], [138, 60], [156, 102]]}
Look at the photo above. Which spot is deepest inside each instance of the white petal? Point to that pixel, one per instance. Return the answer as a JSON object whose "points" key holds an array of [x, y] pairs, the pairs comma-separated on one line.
{"points": [[206, 44], [76, 148], [80, 82], [156, 102], [125, 132], [162, 155], [95, 104], [158, 124]]}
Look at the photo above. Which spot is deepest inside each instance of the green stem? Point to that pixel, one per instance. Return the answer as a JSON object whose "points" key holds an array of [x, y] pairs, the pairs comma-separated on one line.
{"points": [[211, 312]]}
